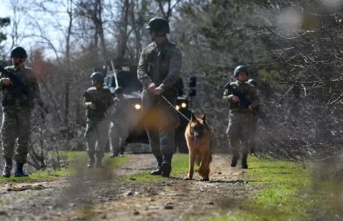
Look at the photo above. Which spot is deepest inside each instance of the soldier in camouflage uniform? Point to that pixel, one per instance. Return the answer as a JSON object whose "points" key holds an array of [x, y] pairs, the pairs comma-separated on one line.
{"points": [[240, 118], [17, 108], [158, 70], [97, 99], [119, 126]]}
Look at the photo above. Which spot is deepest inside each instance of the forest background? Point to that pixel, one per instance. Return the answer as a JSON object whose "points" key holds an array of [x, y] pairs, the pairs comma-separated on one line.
{"points": [[293, 48]]}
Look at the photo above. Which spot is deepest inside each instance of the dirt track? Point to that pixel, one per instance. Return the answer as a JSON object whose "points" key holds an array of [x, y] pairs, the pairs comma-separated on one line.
{"points": [[95, 197]]}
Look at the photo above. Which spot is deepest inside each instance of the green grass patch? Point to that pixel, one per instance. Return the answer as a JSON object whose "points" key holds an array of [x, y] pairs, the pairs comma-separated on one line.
{"points": [[285, 190]]}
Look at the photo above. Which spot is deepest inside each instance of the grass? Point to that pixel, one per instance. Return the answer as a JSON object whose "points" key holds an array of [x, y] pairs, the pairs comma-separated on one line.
{"points": [[285, 190]]}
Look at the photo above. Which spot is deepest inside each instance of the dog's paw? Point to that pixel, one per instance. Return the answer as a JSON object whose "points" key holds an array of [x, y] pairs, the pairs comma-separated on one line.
{"points": [[187, 178], [204, 179]]}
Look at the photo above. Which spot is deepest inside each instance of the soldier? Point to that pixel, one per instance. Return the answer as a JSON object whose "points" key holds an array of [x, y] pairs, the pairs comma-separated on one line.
{"points": [[158, 70], [17, 108], [119, 126], [240, 117], [97, 99]]}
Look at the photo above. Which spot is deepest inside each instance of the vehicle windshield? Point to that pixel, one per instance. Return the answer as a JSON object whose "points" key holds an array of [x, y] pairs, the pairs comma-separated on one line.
{"points": [[128, 80]]}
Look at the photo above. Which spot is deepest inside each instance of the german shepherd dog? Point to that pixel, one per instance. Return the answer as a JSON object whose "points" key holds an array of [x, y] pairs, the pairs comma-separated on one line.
{"points": [[199, 142]]}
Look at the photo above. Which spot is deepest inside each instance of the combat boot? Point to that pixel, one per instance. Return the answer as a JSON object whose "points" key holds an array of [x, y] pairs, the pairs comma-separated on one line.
{"points": [[244, 161], [19, 170], [121, 152], [157, 171], [7, 169], [91, 160], [113, 155], [122, 149], [235, 158], [166, 165]]}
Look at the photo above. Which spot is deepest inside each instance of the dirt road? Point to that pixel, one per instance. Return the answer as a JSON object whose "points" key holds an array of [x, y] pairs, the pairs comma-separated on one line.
{"points": [[95, 197]]}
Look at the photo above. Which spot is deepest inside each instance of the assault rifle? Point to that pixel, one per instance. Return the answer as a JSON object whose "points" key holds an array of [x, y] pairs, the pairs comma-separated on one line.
{"points": [[100, 106], [245, 102], [19, 84]]}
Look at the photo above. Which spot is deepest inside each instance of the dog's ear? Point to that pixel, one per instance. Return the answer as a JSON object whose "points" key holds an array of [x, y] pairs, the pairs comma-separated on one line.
{"points": [[203, 117], [192, 117]]}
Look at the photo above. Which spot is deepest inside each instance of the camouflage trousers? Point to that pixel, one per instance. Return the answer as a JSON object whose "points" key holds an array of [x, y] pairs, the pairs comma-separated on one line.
{"points": [[16, 126], [118, 134], [239, 130], [160, 122], [96, 136]]}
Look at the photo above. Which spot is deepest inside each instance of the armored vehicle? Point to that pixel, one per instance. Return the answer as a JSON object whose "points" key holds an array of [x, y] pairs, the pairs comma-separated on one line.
{"points": [[126, 77]]}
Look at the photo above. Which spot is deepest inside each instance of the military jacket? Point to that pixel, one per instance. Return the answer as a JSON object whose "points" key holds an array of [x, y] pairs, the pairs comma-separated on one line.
{"points": [[102, 98], [12, 95], [160, 65], [248, 90]]}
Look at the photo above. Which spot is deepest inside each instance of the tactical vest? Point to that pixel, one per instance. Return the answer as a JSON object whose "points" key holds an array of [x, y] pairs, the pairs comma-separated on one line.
{"points": [[158, 61], [14, 96], [101, 98], [245, 89]]}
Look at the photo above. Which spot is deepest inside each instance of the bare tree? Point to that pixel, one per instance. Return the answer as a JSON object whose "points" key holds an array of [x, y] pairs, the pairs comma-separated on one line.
{"points": [[166, 7], [93, 10]]}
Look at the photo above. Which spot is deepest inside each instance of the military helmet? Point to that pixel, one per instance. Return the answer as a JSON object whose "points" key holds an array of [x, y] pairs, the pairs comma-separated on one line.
{"points": [[240, 68], [97, 76], [18, 52], [253, 82], [118, 90], [158, 24]]}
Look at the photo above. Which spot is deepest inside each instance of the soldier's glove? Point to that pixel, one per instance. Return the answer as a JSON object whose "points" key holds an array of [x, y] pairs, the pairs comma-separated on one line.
{"points": [[158, 91], [91, 105], [151, 87]]}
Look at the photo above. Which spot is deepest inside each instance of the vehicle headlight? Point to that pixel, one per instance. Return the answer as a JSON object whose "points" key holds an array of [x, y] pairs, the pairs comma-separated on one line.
{"points": [[138, 106], [183, 105], [177, 107]]}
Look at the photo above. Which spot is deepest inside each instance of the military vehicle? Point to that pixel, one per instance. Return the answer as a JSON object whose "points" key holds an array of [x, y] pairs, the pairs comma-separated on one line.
{"points": [[126, 77]]}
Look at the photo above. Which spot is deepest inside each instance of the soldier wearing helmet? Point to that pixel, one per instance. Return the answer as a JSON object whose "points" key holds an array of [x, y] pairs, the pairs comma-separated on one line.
{"points": [[158, 25], [240, 116], [119, 131], [97, 100], [159, 69], [17, 108]]}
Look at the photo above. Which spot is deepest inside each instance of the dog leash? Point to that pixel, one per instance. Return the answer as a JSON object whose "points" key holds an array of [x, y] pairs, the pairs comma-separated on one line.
{"points": [[175, 108]]}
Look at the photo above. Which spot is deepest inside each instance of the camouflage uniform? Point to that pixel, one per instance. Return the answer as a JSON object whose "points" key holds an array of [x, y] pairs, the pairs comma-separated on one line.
{"points": [[240, 121], [119, 131], [160, 65], [16, 118], [97, 123]]}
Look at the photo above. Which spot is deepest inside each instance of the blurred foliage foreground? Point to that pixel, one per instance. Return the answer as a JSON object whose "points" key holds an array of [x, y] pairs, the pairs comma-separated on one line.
{"points": [[280, 190]]}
